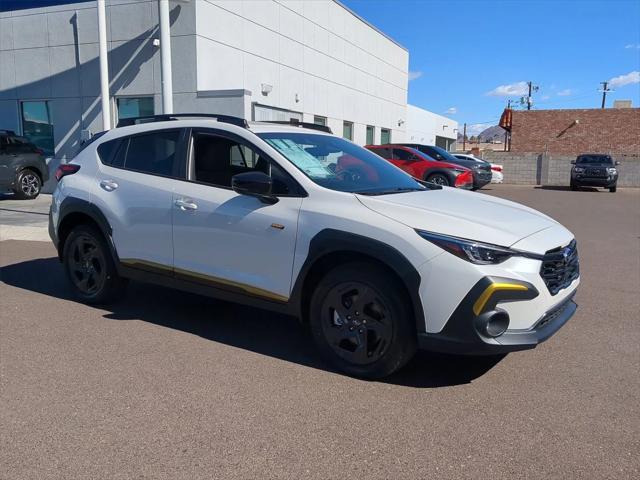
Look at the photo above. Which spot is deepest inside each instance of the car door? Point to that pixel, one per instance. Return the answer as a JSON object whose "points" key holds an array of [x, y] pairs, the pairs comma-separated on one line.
{"points": [[134, 187], [229, 240], [406, 161], [5, 161]]}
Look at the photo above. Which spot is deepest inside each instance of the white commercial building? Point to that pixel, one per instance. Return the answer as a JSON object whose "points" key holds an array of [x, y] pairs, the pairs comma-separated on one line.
{"points": [[429, 128], [316, 61]]}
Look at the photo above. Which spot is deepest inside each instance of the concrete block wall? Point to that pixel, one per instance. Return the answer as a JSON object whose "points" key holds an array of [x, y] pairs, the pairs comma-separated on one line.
{"points": [[555, 169]]}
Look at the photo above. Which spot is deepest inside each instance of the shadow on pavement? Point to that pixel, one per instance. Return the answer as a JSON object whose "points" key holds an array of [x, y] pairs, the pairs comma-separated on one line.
{"points": [[244, 327], [564, 188]]}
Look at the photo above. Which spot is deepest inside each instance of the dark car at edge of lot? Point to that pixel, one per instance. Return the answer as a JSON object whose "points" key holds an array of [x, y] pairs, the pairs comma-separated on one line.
{"points": [[23, 168], [421, 166], [594, 170], [481, 173]]}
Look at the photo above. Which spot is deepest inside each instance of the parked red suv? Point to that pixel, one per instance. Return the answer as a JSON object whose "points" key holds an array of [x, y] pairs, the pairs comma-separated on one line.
{"points": [[421, 166]]}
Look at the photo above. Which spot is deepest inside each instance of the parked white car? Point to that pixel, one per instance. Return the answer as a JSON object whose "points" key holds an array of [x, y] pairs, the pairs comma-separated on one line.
{"points": [[294, 219], [496, 170]]}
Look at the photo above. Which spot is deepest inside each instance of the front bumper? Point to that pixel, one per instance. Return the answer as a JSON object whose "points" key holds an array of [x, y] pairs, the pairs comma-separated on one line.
{"points": [[596, 181], [461, 336], [480, 179]]}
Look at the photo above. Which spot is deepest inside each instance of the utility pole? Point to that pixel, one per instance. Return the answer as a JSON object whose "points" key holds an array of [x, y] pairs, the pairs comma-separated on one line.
{"points": [[464, 138], [104, 66], [165, 57], [532, 88], [605, 89]]}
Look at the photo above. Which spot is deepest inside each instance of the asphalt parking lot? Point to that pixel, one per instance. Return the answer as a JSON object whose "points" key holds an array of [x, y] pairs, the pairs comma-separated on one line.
{"points": [[170, 385]]}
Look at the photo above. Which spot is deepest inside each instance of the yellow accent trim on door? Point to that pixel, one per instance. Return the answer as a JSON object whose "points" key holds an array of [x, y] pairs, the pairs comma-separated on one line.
{"points": [[482, 300], [215, 281]]}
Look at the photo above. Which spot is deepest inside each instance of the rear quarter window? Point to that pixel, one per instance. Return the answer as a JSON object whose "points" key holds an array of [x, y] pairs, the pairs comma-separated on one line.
{"points": [[106, 151]]}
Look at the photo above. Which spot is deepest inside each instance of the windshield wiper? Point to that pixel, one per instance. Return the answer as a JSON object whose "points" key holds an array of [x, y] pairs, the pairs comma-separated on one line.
{"points": [[391, 191]]}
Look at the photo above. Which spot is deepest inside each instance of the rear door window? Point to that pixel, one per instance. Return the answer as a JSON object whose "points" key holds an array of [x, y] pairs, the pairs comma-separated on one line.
{"points": [[153, 153]]}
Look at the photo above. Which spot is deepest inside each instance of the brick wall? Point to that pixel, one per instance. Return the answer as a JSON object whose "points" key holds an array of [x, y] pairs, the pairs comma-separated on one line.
{"points": [[597, 131], [528, 168]]}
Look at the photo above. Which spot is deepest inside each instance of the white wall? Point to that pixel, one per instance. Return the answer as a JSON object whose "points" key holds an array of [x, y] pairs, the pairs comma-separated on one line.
{"points": [[337, 65], [423, 126]]}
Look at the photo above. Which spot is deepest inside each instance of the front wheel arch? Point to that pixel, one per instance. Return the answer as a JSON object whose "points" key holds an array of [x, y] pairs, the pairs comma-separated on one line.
{"points": [[330, 248]]}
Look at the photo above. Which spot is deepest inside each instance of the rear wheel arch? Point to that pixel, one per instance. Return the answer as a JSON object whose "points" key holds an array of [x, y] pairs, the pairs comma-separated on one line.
{"points": [[74, 212], [33, 169], [330, 248]]}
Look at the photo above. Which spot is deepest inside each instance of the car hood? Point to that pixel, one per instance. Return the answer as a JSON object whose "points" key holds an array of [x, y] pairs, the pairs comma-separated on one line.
{"points": [[470, 164], [463, 214]]}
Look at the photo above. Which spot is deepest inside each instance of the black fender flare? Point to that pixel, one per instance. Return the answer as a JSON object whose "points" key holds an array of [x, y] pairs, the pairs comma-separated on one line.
{"points": [[443, 171], [73, 205], [330, 241]]}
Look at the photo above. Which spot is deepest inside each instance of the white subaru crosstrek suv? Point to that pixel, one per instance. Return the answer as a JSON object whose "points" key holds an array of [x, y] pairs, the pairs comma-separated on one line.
{"points": [[294, 219]]}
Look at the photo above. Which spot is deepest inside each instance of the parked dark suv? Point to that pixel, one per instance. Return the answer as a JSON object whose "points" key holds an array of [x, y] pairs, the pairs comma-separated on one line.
{"points": [[22, 166], [594, 170], [481, 172]]}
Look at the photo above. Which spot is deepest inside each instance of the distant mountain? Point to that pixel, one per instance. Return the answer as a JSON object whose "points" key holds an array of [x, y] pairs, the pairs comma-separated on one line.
{"points": [[488, 134]]}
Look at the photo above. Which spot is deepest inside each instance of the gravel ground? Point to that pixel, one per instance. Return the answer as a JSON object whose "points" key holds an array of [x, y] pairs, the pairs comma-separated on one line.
{"points": [[170, 385]]}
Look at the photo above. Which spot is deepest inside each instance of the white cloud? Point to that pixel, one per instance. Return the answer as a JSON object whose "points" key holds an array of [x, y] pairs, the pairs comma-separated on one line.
{"points": [[451, 111], [545, 97], [635, 46], [622, 80], [414, 75], [476, 128], [565, 93], [512, 89]]}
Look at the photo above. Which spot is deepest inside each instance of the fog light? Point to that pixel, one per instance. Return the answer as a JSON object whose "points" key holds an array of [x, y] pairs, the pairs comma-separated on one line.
{"points": [[493, 323]]}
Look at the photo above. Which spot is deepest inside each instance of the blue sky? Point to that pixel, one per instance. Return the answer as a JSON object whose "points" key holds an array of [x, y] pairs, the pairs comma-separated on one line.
{"points": [[462, 51]]}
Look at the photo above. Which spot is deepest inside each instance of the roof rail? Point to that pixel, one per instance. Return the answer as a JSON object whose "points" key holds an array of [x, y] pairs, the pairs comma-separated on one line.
{"points": [[297, 123], [125, 122], [7, 132]]}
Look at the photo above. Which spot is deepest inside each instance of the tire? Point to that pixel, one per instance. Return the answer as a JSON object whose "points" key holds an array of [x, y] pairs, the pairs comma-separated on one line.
{"points": [[90, 268], [28, 185], [613, 189], [573, 186], [438, 179], [360, 321]]}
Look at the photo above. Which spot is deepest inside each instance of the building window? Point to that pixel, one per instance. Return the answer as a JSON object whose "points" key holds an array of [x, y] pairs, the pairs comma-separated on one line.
{"points": [[371, 134], [347, 130], [37, 125], [129, 107], [318, 120], [385, 136]]}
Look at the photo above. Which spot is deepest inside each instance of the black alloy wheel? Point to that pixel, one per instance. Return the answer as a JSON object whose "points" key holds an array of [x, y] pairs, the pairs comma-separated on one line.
{"points": [[356, 323], [90, 267], [362, 321], [87, 265]]}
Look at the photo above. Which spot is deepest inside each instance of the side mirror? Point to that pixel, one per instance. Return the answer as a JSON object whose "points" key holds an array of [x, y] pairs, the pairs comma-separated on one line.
{"points": [[254, 184], [573, 162]]}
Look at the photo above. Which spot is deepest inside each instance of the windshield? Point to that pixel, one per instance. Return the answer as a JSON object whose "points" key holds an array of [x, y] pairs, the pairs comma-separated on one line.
{"points": [[335, 163], [594, 159], [444, 155]]}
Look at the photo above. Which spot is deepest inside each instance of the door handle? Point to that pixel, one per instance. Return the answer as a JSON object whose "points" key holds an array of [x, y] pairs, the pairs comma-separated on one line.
{"points": [[108, 185], [186, 204]]}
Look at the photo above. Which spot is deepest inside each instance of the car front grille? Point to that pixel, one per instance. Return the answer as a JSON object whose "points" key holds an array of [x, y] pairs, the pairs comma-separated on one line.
{"points": [[560, 267], [596, 172]]}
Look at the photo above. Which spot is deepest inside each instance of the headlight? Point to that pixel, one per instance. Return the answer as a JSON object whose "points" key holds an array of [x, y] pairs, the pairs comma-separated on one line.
{"points": [[458, 172], [579, 169], [474, 252], [612, 170]]}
